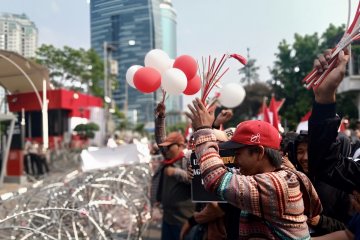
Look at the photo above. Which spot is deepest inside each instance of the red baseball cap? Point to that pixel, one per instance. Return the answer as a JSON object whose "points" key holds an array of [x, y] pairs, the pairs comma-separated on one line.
{"points": [[173, 137], [253, 132]]}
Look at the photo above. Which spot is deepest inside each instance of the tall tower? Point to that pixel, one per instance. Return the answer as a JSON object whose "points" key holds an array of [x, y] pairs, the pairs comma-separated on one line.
{"points": [[168, 25], [126, 30], [18, 34]]}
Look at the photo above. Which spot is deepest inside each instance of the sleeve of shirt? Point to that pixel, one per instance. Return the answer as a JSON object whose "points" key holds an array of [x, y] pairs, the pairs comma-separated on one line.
{"points": [[325, 159], [328, 225], [160, 132], [239, 190], [181, 175]]}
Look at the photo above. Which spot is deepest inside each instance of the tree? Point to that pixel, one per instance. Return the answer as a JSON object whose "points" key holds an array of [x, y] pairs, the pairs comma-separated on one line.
{"points": [[293, 63], [250, 72], [181, 126], [73, 69], [140, 128], [86, 131]]}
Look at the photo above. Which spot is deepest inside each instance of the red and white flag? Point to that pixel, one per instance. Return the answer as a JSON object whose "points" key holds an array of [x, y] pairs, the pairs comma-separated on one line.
{"points": [[271, 114], [274, 111], [264, 112], [303, 125]]}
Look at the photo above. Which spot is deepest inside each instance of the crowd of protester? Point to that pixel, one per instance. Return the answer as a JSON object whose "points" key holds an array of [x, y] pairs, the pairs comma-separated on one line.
{"points": [[296, 186], [35, 160]]}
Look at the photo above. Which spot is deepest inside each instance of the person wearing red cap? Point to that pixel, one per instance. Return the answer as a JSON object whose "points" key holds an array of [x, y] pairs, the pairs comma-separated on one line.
{"points": [[275, 201], [175, 189]]}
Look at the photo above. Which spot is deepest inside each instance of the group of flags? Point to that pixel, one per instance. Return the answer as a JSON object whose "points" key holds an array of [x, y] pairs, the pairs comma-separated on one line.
{"points": [[270, 113]]}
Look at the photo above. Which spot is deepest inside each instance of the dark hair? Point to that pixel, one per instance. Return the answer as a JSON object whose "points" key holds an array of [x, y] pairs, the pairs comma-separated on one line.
{"points": [[292, 141], [274, 156], [287, 142], [303, 137]]}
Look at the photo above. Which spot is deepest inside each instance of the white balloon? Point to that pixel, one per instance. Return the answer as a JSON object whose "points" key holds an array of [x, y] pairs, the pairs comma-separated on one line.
{"points": [[172, 62], [130, 74], [158, 59], [173, 81], [232, 95]]}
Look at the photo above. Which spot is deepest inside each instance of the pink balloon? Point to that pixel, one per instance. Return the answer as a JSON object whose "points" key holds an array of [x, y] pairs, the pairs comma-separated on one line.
{"points": [[147, 79], [187, 64], [193, 86]]}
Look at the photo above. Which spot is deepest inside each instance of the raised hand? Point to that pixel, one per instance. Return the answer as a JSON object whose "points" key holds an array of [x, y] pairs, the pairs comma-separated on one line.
{"points": [[223, 117], [160, 110], [326, 92], [200, 116]]}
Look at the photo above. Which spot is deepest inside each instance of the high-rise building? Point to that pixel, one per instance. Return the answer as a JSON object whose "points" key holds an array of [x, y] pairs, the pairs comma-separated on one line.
{"points": [[126, 30], [168, 25], [18, 34]]}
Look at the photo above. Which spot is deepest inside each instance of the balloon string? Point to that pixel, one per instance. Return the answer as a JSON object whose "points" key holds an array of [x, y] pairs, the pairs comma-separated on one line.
{"points": [[163, 96]]}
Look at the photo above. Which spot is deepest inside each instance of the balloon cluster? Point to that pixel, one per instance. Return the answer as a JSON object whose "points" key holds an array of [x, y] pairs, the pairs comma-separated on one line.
{"points": [[174, 76]]}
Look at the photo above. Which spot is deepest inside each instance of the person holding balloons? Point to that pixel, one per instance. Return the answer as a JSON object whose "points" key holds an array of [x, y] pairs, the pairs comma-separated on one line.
{"points": [[175, 186]]}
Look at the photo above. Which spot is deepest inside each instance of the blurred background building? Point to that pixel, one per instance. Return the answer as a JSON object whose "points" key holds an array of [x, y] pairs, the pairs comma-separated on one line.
{"points": [[168, 23], [123, 32], [18, 34]]}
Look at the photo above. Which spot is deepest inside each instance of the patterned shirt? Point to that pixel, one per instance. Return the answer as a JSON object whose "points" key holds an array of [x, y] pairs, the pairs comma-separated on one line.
{"points": [[274, 205]]}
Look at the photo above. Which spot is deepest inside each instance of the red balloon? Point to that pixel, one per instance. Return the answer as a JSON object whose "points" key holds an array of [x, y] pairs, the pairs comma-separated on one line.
{"points": [[193, 86], [147, 79], [187, 64]]}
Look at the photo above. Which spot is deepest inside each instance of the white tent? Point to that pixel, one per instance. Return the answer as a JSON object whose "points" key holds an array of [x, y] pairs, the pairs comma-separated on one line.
{"points": [[14, 72], [19, 75]]}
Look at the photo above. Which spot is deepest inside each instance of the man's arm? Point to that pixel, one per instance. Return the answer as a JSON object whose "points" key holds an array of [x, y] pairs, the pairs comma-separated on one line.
{"points": [[325, 159], [179, 173], [239, 190], [324, 224], [160, 131]]}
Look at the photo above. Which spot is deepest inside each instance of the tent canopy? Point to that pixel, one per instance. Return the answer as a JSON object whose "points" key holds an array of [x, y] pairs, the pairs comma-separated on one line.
{"points": [[12, 79]]}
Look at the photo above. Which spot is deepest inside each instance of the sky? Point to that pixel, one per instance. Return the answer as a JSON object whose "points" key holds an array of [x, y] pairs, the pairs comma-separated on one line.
{"points": [[204, 27]]}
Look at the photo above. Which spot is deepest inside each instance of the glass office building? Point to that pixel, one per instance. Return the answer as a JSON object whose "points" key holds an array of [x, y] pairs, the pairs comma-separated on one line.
{"points": [[168, 25], [131, 28]]}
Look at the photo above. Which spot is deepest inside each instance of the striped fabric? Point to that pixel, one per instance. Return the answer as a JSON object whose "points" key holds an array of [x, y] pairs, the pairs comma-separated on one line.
{"points": [[272, 204]]}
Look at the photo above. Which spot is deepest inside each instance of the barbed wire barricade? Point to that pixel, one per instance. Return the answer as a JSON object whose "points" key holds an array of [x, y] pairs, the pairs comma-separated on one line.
{"points": [[100, 204]]}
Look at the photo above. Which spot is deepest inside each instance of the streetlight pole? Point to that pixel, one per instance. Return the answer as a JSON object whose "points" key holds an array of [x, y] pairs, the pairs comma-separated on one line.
{"points": [[108, 48], [106, 91], [107, 85], [126, 101]]}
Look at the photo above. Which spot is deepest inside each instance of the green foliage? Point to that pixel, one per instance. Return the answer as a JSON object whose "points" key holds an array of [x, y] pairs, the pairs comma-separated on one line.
{"points": [[87, 130], [119, 114], [72, 68], [140, 128], [181, 126], [346, 105], [123, 124], [293, 63], [249, 72]]}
